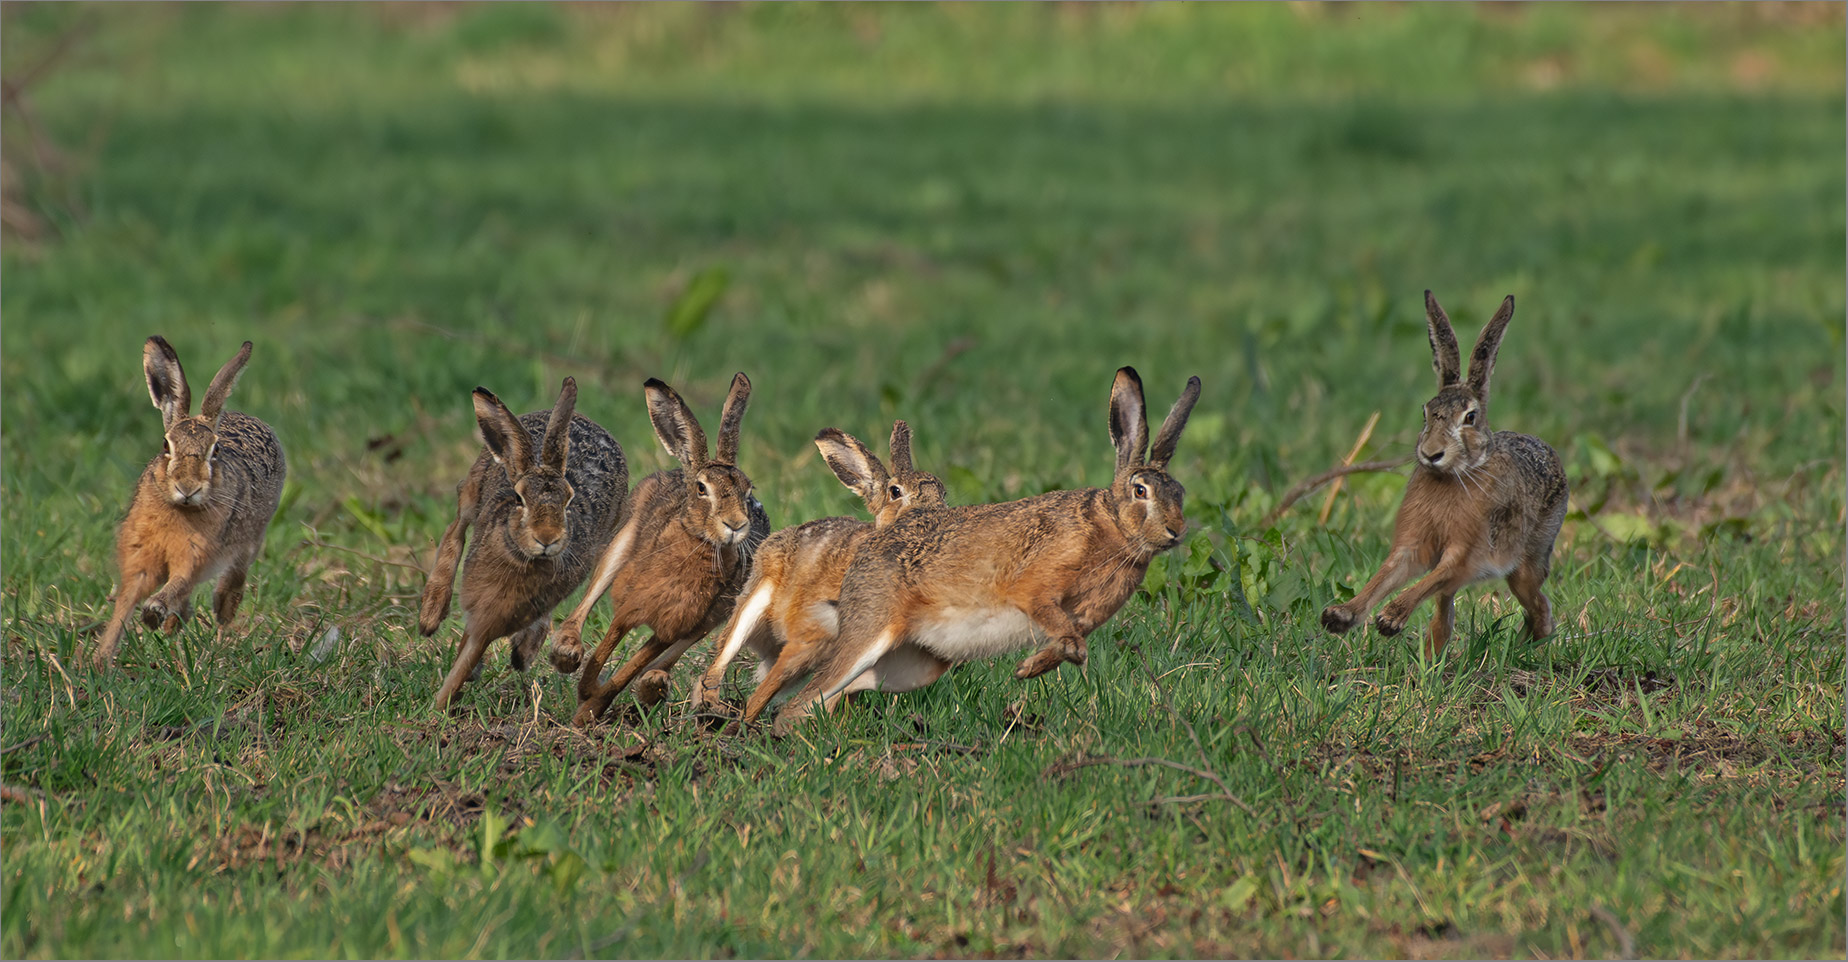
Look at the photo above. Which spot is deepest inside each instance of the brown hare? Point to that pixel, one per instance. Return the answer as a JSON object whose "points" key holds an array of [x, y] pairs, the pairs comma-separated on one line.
{"points": [[679, 559], [942, 586], [545, 497], [788, 608], [202, 505], [1480, 504]]}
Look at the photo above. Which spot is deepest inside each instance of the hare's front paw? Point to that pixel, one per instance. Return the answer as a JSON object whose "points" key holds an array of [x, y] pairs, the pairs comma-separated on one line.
{"points": [[567, 654], [1052, 656], [1338, 619], [158, 612], [1391, 621]]}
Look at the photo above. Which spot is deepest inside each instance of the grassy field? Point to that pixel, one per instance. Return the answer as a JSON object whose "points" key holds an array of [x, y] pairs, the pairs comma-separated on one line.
{"points": [[967, 217]]}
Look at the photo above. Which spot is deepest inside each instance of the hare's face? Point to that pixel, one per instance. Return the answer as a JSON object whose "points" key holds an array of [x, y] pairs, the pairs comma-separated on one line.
{"points": [[539, 530], [720, 497], [1148, 508], [1456, 432], [904, 493], [189, 447]]}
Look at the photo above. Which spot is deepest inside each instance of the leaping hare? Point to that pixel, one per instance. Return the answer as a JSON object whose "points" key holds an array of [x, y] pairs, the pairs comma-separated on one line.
{"points": [[201, 507], [942, 586], [1480, 504], [540, 521], [788, 611], [678, 560]]}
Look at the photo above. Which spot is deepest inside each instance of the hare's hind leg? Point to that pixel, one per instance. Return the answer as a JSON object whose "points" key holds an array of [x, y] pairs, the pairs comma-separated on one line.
{"points": [[826, 686], [526, 642], [229, 593], [1525, 582], [795, 661], [745, 627], [656, 654], [1443, 623], [448, 553]]}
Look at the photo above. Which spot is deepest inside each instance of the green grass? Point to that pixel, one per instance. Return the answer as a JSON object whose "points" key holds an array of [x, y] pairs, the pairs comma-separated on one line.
{"points": [[966, 217]]}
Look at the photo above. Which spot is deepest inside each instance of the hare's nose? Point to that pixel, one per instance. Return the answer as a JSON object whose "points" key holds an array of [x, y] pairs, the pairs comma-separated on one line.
{"points": [[1433, 459]]}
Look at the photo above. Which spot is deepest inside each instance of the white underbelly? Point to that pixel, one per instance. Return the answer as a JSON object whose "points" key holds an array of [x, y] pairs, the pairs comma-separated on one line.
{"points": [[971, 634]]}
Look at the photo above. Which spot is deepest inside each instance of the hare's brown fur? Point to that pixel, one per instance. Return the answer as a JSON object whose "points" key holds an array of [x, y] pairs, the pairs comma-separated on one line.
{"points": [[1480, 504], [542, 513], [947, 585], [200, 509], [788, 609], [678, 560]]}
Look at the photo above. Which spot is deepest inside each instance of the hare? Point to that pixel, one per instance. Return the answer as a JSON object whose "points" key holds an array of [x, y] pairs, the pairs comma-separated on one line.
{"points": [[678, 560], [540, 521], [947, 585], [202, 505], [1480, 504], [796, 576]]}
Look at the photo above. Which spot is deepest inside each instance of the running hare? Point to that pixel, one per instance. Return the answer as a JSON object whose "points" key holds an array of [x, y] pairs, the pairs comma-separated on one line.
{"points": [[942, 586], [789, 610], [540, 521], [1480, 504], [677, 562], [202, 505]]}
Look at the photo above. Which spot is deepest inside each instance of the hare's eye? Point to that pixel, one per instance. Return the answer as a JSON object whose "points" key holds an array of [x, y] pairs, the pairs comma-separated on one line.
{"points": [[896, 492], [1141, 492], [166, 447], [701, 486], [1469, 417]]}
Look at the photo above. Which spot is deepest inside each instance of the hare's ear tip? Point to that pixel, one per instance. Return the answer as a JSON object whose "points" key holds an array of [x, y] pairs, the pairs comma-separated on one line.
{"points": [[1508, 301], [655, 384], [247, 346], [1193, 381], [569, 382], [829, 434]]}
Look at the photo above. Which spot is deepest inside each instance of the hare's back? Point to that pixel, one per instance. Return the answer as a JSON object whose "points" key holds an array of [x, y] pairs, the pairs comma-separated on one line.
{"points": [[1537, 473]]}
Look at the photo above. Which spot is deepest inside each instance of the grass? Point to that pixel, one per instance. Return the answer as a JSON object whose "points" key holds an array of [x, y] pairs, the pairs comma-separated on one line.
{"points": [[968, 218]]}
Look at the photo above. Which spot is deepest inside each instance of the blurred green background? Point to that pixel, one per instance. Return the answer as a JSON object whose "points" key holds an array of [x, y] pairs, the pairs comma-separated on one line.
{"points": [[967, 216]]}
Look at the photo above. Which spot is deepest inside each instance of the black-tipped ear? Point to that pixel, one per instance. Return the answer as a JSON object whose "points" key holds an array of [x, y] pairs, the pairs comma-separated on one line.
{"points": [[1488, 344], [220, 389], [1444, 356], [1170, 434], [166, 380], [1129, 422], [731, 420], [557, 444], [674, 424], [857, 467], [901, 449], [506, 439]]}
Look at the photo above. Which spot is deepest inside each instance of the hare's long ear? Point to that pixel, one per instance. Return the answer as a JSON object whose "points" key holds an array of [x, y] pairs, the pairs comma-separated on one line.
{"points": [[901, 449], [731, 421], [1443, 344], [1482, 359], [215, 394], [1170, 434], [166, 381], [506, 438], [1129, 421], [674, 424], [557, 443], [858, 468]]}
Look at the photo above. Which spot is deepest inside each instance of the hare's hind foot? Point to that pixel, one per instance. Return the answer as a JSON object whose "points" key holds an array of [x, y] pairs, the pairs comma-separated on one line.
{"points": [[1339, 619], [1391, 621], [1054, 654], [651, 688]]}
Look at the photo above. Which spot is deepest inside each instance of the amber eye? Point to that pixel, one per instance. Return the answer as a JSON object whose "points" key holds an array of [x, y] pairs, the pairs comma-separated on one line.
{"points": [[701, 487], [166, 447], [1141, 492], [1469, 417], [895, 492]]}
